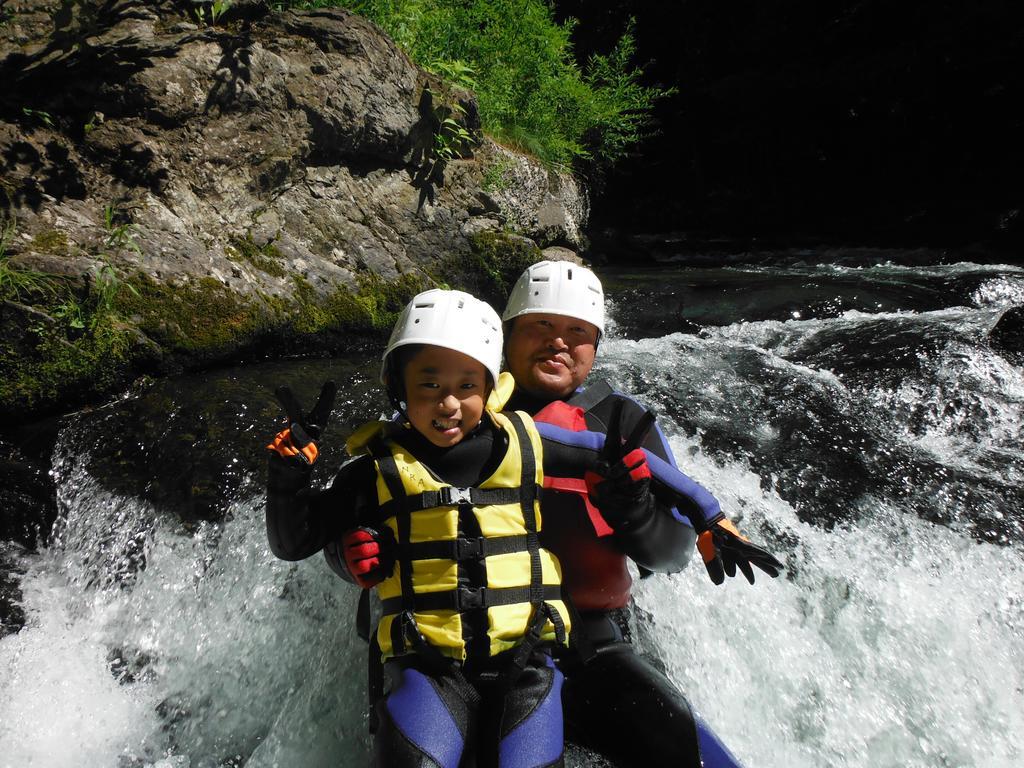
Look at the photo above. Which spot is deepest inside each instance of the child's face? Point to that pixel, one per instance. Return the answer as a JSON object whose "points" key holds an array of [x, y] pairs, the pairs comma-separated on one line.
{"points": [[445, 394]]}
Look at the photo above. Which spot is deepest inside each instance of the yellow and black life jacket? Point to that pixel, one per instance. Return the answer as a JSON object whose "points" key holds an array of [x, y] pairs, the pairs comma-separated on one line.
{"points": [[478, 594]]}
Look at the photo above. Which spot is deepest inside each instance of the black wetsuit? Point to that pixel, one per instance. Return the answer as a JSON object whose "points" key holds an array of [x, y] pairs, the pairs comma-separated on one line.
{"points": [[617, 702]]}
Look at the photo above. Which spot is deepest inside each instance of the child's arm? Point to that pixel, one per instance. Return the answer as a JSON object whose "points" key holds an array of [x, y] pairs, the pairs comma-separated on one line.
{"points": [[302, 520]]}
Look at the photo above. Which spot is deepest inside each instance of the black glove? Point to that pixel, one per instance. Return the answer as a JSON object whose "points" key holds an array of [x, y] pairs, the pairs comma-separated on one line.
{"points": [[297, 443], [620, 483], [725, 549]]}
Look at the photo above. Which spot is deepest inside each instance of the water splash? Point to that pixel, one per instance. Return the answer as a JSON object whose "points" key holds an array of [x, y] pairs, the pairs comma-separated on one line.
{"points": [[873, 451]]}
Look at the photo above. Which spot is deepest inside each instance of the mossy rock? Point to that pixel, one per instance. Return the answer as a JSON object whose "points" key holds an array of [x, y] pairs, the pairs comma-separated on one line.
{"points": [[495, 261], [43, 367], [266, 258], [52, 241]]}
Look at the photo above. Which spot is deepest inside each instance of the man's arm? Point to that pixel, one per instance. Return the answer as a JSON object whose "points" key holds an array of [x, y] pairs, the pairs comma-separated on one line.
{"points": [[651, 533]]}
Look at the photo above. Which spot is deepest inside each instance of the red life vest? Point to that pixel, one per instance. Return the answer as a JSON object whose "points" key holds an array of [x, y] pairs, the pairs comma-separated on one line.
{"points": [[562, 414], [594, 570]]}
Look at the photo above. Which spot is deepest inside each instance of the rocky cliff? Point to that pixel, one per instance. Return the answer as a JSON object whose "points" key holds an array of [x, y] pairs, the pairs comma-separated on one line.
{"points": [[178, 190]]}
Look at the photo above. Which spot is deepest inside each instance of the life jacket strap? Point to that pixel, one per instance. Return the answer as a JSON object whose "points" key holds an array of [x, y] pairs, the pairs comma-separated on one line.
{"points": [[450, 496], [470, 599], [464, 548], [592, 395]]}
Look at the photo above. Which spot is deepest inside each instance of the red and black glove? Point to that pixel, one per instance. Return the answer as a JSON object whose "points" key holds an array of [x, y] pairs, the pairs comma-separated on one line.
{"points": [[297, 443], [725, 549], [369, 555], [620, 483], [621, 491]]}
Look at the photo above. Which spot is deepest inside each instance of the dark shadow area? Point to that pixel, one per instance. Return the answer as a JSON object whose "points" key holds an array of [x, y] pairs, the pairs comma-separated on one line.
{"points": [[866, 122]]}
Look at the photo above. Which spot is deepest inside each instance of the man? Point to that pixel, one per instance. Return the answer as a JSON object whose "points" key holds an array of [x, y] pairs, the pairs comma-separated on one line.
{"points": [[615, 701]]}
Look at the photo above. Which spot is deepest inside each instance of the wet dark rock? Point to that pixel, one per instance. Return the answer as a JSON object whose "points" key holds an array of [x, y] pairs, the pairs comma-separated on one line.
{"points": [[193, 446], [12, 617], [1007, 337], [27, 497]]}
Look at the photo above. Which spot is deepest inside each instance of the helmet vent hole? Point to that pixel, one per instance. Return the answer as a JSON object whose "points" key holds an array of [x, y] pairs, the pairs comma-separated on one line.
{"points": [[415, 321], [461, 302], [569, 274]]}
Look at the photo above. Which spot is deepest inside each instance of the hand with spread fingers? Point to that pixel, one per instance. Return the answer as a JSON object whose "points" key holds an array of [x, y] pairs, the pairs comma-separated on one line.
{"points": [[297, 443], [369, 555], [620, 483], [725, 549]]}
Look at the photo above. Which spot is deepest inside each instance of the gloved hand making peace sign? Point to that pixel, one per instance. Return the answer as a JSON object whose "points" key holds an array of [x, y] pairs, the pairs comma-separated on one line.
{"points": [[297, 443], [620, 483]]}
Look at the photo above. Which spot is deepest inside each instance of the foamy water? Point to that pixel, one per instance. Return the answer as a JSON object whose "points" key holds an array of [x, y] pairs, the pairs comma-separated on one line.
{"points": [[895, 637]]}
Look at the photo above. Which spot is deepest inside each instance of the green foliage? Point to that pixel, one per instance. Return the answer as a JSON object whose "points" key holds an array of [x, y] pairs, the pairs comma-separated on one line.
{"points": [[533, 95], [210, 12], [495, 179], [120, 234], [37, 114], [18, 283]]}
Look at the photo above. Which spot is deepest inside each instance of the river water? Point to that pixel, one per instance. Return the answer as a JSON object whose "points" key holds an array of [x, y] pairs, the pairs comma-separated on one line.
{"points": [[851, 415]]}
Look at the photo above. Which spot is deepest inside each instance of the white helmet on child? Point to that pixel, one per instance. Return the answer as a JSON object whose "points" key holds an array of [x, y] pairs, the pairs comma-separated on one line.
{"points": [[452, 319], [557, 288]]}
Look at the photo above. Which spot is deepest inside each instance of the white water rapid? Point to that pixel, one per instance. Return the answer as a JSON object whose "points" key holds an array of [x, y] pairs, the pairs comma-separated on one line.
{"points": [[878, 454]]}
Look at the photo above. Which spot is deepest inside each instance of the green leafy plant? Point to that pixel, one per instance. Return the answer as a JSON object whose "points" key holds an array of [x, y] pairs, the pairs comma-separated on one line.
{"points": [[451, 139], [210, 10], [44, 117], [120, 234], [18, 283], [494, 179], [455, 72], [104, 286], [533, 94], [94, 122]]}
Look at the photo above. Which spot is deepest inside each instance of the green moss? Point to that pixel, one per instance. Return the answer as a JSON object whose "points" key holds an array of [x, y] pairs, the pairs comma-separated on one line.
{"points": [[54, 362], [51, 241], [266, 258], [195, 318], [372, 309], [55, 369], [495, 262]]}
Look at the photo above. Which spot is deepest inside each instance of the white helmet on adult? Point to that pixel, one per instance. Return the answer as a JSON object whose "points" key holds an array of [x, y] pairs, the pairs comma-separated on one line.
{"points": [[557, 288], [452, 319]]}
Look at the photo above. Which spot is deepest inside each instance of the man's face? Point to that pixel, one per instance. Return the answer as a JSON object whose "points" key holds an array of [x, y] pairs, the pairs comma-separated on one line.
{"points": [[550, 355]]}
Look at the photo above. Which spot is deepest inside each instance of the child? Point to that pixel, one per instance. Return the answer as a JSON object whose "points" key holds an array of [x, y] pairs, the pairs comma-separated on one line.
{"points": [[448, 502]]}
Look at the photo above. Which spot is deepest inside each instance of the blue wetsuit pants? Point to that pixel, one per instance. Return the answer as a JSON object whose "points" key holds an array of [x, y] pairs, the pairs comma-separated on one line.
{"points": [[451, 720]]}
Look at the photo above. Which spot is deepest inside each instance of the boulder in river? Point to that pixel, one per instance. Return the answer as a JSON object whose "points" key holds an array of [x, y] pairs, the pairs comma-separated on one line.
{"points": [[1007, 336]]}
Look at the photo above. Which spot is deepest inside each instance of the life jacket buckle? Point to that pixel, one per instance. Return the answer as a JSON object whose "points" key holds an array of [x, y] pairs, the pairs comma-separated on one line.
{"points": [[469, 549], [450, 495], [472, 598]]}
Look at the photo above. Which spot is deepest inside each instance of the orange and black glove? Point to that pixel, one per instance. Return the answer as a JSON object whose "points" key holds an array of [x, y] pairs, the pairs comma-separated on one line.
{"points": [[369, 555], [725, 549], [297, 443]]}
